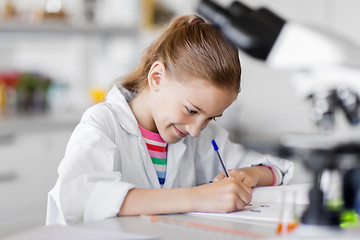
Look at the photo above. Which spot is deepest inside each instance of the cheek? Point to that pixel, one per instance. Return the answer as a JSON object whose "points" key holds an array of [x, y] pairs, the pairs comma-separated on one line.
{"points": [[165, 114], [171, 111], [174, 116]]}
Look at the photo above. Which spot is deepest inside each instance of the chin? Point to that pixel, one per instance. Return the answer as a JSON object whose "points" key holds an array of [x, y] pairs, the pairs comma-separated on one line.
{"points": [[171, 139], [169, 135]]}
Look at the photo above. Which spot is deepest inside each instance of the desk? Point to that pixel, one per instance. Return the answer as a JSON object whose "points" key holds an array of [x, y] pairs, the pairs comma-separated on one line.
{"points": [[160, 230], [143, 225], [165, 231]]}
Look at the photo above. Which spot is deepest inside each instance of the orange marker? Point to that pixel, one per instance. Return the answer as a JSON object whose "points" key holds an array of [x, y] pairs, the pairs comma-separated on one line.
{"points": [[288, 229]]}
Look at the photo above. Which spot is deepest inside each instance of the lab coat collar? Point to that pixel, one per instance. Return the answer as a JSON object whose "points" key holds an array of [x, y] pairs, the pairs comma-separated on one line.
{"points": [[119, 98]]}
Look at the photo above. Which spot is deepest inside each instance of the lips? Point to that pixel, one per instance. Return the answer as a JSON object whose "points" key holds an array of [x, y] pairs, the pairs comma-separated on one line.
{"points": [[180, 133]]}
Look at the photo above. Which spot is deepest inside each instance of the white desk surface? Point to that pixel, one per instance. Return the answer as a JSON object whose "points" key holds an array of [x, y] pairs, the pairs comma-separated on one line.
{"points": [[166, 231], [161, 230], [189, 226]]}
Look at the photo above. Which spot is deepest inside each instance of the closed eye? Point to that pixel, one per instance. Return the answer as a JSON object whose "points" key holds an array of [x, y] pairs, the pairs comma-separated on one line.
{"points": [[190, 111]]}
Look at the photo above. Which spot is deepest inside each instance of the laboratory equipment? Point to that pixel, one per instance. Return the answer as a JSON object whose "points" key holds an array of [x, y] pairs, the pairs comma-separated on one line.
{"points": [[326, 71]]}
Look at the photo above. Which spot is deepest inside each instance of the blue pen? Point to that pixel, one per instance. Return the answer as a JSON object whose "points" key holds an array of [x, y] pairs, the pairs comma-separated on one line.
{"points": [[220, 159]]}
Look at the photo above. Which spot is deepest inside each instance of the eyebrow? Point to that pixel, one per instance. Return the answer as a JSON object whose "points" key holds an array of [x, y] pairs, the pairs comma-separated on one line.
{"points": [[200, 110]]}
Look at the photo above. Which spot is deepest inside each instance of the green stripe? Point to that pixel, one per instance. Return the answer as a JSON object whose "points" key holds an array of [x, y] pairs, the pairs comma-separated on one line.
{"points": [[159, 161]]}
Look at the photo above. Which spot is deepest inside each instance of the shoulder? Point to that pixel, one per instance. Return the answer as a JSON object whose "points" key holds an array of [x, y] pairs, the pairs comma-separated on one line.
{"points": [[99, 120], [112, 115], [99, 113], [107, 112]]}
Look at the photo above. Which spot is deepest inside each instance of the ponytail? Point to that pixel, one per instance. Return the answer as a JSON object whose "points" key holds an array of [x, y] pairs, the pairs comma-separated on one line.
{"points": [[189, 47]]}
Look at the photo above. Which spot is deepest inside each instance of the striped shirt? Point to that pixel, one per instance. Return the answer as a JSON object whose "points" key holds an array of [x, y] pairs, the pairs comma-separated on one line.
{"points": [[157, 148]]}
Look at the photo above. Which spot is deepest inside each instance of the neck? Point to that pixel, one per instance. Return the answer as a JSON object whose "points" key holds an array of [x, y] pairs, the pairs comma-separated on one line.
{"points": [[141, 109]]}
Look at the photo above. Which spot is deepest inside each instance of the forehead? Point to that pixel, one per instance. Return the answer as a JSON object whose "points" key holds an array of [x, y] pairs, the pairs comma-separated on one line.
{"points": [[205, 95]]}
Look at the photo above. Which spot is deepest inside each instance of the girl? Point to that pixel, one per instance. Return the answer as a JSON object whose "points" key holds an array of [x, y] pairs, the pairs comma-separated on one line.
{"points": [[147, 149]]}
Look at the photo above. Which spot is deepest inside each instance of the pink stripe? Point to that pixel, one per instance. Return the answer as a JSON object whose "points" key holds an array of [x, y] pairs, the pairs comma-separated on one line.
{"points": [[274, 174], [150, 135], [157, 154]]}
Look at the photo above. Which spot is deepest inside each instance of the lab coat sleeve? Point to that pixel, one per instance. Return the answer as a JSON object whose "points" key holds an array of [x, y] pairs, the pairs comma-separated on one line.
{"points": [[237, 156], [88, 188]]}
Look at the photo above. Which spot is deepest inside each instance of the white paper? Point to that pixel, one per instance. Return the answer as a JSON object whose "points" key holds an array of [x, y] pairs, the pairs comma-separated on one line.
{"points": [[267, 204], [257, 211], [274, 194]]}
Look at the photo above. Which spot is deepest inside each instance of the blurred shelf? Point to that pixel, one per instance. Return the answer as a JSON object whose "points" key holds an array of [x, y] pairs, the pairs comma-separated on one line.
{"points": [[65, 29], [36, 123]]}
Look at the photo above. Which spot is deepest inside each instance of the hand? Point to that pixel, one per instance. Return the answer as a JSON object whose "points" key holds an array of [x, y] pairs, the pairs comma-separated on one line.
{"points": [[252, 176], [225, 195]]}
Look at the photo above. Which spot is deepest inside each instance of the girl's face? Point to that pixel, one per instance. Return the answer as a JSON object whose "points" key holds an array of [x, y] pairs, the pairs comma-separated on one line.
{"points": [[185, 108]]}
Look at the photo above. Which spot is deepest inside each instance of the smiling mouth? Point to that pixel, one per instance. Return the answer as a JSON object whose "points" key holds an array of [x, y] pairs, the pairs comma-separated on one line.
{"points": [[180, 133]]}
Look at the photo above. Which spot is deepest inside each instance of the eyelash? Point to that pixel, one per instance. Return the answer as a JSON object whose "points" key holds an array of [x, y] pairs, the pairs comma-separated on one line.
{"points": [[193, 112], [190, 111]]}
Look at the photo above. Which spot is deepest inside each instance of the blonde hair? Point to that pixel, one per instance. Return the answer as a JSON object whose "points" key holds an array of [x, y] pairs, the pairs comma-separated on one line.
{"points": [[189, 47]]}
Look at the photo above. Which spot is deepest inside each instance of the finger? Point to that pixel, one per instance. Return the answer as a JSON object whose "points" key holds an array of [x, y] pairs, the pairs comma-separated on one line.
{"points": [[219, 177], [242, 191], [233, 172], [249, 181], [246, 188], [240, 175], [245, 197], [240, 204]]}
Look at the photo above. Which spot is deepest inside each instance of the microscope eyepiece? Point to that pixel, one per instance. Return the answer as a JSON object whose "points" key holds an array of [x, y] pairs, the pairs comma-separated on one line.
{"points": [[253, 31]]}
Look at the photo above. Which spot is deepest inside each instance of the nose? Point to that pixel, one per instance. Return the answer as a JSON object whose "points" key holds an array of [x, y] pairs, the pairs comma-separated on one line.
{"points": [[194, 128]]}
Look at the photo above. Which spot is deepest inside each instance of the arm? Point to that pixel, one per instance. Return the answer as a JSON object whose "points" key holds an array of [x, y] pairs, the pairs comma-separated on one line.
{"points": [[252, 176], [226, 195], [86, 174], [237, 156]]}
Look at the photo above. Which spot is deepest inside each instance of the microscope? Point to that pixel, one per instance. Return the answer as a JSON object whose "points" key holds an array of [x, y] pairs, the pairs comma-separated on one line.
{"points": [[326, 72]]}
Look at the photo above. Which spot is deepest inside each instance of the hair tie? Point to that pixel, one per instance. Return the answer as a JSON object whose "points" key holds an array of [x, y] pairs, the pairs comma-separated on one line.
{"points": [[197, 20]]}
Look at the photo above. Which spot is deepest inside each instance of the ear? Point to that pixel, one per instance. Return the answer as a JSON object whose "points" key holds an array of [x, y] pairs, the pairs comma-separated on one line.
{"points": [[156, 75]]}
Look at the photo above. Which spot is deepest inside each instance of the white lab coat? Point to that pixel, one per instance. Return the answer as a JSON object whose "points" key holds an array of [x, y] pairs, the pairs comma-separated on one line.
{"points": [[106, 157]]}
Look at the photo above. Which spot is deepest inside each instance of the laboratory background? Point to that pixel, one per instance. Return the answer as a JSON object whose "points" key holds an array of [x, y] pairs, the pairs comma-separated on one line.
{"points": [[58, 57]]}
